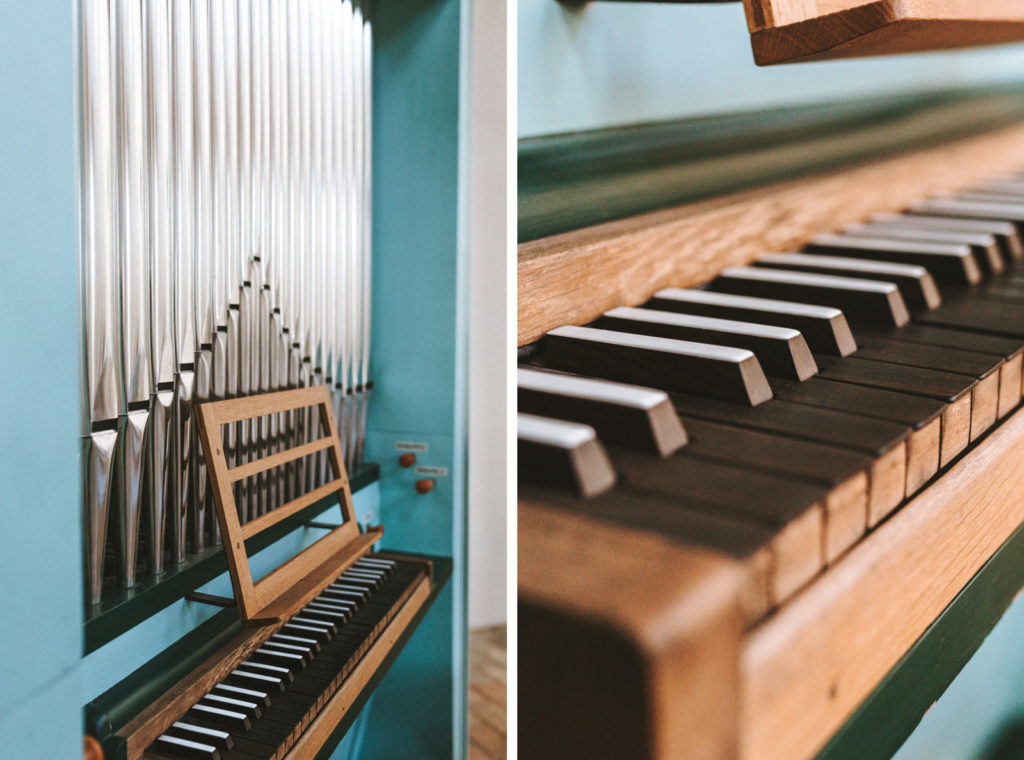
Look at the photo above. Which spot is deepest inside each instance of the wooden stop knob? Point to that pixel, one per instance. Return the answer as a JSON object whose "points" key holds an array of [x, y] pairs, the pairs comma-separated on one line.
{"points": [[408, 459], [425, 485], [92, 749]]}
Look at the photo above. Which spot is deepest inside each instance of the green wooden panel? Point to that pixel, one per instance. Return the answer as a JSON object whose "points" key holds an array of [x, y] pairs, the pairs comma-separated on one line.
{"points": [[578, 179], [889, 715]]}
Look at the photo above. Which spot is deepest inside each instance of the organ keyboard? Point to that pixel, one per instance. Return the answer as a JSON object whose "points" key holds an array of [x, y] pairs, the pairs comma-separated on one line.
{"points": [[320, 626], [765, 437]]}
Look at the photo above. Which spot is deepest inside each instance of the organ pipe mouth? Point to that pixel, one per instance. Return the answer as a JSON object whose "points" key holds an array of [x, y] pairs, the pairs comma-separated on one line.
{"points": [[225, 199]]}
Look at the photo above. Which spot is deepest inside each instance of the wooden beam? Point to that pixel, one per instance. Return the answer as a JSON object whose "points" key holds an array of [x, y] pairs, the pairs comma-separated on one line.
{"points": [[783, 31], [808, 667], [574, 277]]}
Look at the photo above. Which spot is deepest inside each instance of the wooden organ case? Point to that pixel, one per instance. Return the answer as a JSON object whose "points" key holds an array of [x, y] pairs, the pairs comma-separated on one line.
{"points": [[674, 601], [139, 628]]}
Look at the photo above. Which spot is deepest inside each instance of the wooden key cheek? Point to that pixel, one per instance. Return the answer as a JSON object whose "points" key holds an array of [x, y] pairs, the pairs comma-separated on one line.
{"points": [[285, 589]]}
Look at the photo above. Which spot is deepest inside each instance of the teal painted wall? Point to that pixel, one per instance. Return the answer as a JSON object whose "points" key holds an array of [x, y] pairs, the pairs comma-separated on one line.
{"points": [[622, 63], [40, 559], [419, 354], [987, 694]]}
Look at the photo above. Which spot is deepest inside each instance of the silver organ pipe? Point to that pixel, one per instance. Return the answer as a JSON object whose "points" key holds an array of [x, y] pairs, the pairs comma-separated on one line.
{"points": [[225, 250]]}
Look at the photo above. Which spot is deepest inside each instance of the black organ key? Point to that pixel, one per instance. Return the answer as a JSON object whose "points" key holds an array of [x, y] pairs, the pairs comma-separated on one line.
{"points": [[231, 719], [313, 644], [563, 455], [245, 706], [194, 732], [303, 652], [824, 327], [947, 207], [176, 746], [257, 666], [329, 628], [624, 415], [860, 299], [255, 680], [780, 350], [299, 629], [228, 690], [915, 283], [1005, 233], [947, 263], [946, 386], [879, 347], [732, 374], [984, 246], [293, 661], [989, 316]]}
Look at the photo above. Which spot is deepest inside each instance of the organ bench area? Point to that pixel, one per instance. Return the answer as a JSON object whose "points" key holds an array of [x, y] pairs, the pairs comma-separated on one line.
{"points": [[750, 485]]}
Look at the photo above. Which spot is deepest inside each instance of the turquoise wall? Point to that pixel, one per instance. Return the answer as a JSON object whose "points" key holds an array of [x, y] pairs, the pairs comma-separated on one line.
{"points": [[40, 558], [622, 63], [987, 694], [419, 335]]}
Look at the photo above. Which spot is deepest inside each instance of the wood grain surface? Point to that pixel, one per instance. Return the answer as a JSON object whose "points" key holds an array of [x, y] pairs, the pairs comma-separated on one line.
{"points": [[574, 277], [664, 618], [790, 30], [809, 666]]}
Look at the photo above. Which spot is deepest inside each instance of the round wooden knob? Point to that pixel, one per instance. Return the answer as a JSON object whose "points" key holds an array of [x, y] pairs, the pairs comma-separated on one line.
{"points": [[92, 749], [408, 459], [425, 485]]}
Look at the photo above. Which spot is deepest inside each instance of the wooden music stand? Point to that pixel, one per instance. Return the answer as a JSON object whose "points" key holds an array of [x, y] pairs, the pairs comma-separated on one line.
{"points": [[286, 589]]}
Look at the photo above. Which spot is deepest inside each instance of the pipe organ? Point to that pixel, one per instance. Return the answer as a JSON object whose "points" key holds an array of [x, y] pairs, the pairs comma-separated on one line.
{"points": [[226, 251], [188, 209]]}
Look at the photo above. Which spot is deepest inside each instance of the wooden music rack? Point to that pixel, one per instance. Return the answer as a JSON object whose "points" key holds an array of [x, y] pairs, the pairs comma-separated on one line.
{"points": [[284, 590]]}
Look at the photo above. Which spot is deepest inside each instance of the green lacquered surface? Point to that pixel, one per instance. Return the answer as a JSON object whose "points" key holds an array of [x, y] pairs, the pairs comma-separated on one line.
{"points": [[890, 714], [122, 609], [574, 180]]}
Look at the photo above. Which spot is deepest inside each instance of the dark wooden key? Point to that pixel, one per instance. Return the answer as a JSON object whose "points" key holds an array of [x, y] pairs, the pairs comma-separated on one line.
{"points": [[884, 441], [671, 365], [954, 264], [1010, 245], [947, 207], [793, 511], [995, 362], [924, 416], [986, 316], [563, 455], [867, 300], [843, 473], [915, 283], [780, 350], [626, 415], [753, 545], [955, 390], [984, 246], [824, 328]]}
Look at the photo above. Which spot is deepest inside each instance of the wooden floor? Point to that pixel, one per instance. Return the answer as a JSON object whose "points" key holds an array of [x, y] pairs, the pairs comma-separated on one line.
{"points": [[487, 694]]}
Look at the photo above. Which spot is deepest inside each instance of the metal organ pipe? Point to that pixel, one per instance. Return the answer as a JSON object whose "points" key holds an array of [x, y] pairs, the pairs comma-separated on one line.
{"points": [[224, 250]]}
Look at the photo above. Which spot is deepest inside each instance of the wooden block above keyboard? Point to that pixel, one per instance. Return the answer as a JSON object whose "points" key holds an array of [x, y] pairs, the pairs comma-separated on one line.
{"points": [[784, 31], [574, 277]]}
